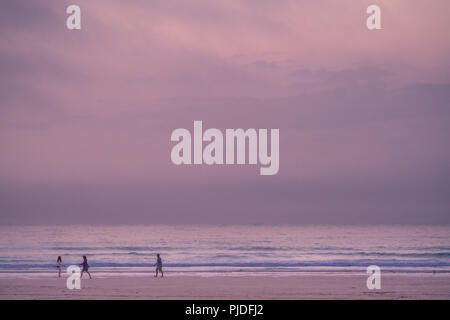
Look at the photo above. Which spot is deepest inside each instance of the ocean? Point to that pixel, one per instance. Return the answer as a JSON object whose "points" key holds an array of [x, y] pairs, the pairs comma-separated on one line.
{"points": [[31, 251]]}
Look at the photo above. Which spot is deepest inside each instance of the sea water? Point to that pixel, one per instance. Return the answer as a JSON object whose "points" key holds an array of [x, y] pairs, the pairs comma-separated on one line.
{"points": [[31, 251]]}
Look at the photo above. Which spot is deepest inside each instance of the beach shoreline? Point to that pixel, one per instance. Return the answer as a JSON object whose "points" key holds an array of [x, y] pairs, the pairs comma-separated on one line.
{"points": [[307, 286]]}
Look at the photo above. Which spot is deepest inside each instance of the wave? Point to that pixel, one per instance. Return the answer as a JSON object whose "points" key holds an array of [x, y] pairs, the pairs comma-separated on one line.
{"points": [[118, 248], [267, 264], [256, 250], [387, 254]]}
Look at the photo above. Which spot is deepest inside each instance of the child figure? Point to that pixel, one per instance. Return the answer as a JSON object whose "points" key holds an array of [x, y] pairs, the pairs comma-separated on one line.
{"points": [[59, 266]]}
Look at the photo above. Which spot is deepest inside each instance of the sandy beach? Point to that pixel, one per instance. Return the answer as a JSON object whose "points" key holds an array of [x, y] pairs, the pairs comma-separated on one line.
{"points": [[308, 286]]}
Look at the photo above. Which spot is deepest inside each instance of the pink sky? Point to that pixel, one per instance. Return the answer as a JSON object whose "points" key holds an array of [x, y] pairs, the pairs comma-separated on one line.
{"points": [[86, 116]]}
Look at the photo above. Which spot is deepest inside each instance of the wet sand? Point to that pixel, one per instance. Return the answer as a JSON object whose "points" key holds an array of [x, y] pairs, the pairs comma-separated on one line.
{"points": [[307, 286]]}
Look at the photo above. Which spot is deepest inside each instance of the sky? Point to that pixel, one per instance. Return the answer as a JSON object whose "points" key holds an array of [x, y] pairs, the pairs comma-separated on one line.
{"points": [[86, 115]]}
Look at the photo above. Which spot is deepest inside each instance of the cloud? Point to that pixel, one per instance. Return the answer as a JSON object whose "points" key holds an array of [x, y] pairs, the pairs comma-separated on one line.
{"points": [[86, 115]]}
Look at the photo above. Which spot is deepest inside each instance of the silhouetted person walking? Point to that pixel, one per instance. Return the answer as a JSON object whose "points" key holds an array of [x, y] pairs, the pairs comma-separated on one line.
{"points": [[158, 266], [85, 268]]}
